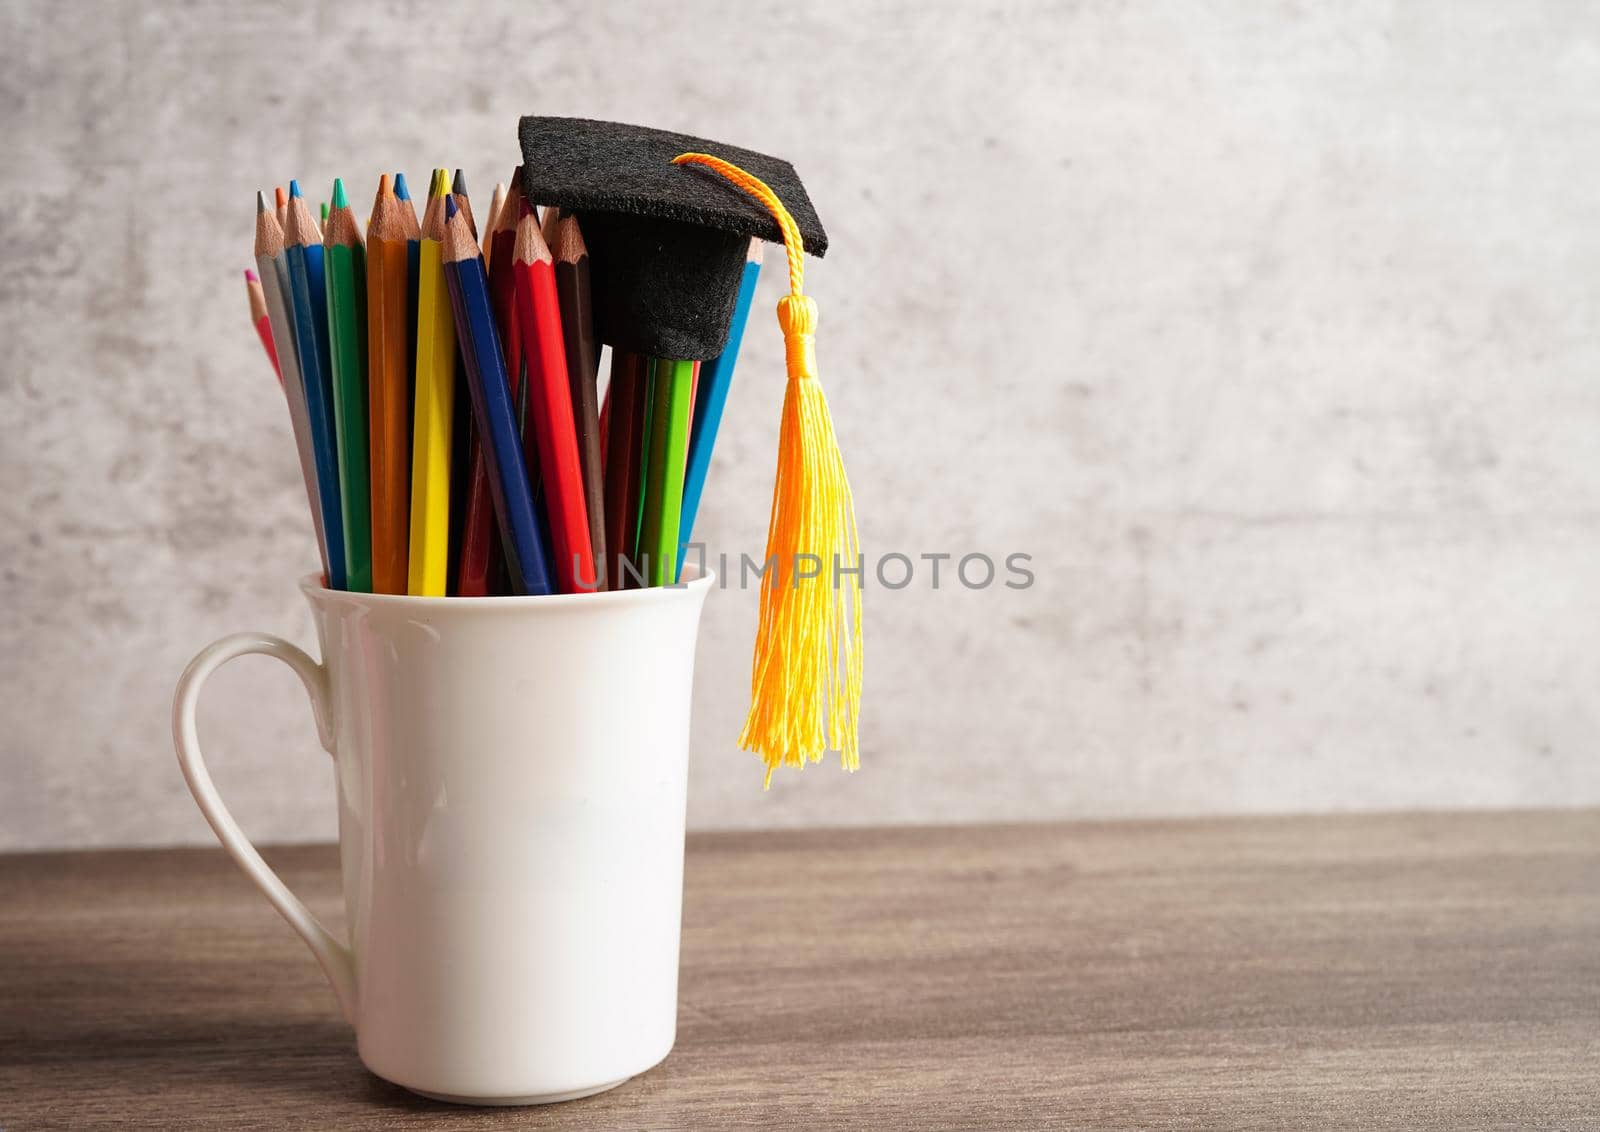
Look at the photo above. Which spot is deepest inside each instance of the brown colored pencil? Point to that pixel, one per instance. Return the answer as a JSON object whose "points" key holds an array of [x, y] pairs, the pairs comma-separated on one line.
{"points": [[626, 403], [577, 332], [389, 389], [491, 223]]}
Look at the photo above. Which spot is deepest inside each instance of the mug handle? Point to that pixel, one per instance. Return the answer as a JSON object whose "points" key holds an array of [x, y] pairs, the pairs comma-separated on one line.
{"points": [[335, 958]]}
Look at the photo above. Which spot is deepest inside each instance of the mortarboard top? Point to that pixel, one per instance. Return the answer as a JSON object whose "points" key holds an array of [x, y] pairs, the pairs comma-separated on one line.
{"points": [[667, 244]]}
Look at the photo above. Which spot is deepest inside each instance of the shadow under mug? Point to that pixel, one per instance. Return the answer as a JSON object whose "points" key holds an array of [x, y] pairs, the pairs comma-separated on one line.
{"points": [[512, 778]]}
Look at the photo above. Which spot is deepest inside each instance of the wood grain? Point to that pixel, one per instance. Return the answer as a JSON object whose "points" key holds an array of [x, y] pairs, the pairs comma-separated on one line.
{"points": [[1406, 971]]}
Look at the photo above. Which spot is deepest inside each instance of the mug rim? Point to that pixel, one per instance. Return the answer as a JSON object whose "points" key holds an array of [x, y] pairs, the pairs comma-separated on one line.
{"points": [[700, 579]]}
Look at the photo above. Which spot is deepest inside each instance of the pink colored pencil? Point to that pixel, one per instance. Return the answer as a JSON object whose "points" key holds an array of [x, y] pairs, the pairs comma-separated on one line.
{"points": [[258, 315]]}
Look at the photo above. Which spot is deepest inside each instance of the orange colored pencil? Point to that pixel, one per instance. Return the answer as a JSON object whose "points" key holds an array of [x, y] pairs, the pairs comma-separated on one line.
{"points": [[389, 363]]}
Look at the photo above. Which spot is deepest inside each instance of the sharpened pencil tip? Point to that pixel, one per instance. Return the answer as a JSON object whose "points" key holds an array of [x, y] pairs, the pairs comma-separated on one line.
{"points": [[400, 189], [385, 185], [261, 202], [294, 189], [459, 185], [339, 199], [449, 206], [440, 184], [280, 197], [251, 276]]}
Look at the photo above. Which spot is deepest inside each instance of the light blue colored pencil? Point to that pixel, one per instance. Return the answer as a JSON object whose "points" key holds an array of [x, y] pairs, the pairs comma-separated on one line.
{"points": [[716, 378]]}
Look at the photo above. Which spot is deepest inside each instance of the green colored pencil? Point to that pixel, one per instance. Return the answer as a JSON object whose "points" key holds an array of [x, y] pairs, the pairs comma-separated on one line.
{"points": [[347, 339], [669, 448]]}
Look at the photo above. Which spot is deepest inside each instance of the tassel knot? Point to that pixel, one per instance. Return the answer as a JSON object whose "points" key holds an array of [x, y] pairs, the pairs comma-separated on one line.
{"points": [[797, 315]]}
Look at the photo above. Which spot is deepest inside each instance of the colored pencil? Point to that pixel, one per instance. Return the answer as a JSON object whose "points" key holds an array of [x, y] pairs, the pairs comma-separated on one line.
{"points": [[307, 285], [477, 551], [458, 189], [260, 319], [432, 424], [711, 396], [577, 333], [281, 200], [481, 551], [345, 256], [549, 406], [496, 203], [273, 264], [389, 313], [501, 238], [413, 231], [491, 404], [548, 220], [625, 412], [663, 489]]}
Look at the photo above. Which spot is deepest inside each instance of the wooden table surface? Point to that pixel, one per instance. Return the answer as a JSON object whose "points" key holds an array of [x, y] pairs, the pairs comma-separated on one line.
{"points": [[1410, 971]]}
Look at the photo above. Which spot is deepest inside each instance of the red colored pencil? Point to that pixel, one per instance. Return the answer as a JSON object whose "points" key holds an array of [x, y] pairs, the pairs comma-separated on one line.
{"points": [[258, 315], [549, 412], [573, 290]]}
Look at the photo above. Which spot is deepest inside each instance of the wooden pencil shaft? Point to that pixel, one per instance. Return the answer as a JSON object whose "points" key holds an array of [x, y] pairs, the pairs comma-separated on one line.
{"points": [[711, 397], [669, 441], [262, 322], [309, 293], [346, 284], [492, 410], [432, 428], [577, 330], [491, 222], [635, 540], [550, 412], [477, 537], [389, 377], [274, 272], [624, 448], [481, 545]]}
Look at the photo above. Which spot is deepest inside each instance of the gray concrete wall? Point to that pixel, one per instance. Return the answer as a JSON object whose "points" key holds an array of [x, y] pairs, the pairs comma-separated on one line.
{"points": [[1270, 331]]}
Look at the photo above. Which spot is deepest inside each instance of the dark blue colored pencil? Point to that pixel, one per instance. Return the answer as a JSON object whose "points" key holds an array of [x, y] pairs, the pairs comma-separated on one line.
{"points": [[492, 410], [308, 290]]}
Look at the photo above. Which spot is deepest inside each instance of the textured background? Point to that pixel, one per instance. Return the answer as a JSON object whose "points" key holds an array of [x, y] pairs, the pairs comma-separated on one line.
{"points": [[1269, 330]]}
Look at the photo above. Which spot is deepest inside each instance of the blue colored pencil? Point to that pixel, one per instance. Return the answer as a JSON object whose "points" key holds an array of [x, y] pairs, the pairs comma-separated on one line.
{"points": [[716, 377], [492, 410], [308, 288]]}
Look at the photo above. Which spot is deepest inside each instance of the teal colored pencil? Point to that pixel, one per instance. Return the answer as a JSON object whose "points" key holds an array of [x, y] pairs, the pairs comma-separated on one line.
{"points": [[308, 289], [347, 338]]}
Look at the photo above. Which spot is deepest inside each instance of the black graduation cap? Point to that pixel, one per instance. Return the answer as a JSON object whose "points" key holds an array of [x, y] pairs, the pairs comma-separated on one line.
{"points": [[667, 244]]}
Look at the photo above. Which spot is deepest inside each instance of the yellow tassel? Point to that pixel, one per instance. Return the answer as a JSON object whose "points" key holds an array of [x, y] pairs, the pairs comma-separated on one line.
{"points": [[805, 683]]}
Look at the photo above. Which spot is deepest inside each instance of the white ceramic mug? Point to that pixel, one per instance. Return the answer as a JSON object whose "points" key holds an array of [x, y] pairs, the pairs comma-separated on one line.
{"points": [[512, 777]]}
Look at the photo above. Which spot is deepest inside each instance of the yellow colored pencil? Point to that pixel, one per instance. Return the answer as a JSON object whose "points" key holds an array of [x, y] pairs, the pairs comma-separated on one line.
{"points": [[435, 404]]}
